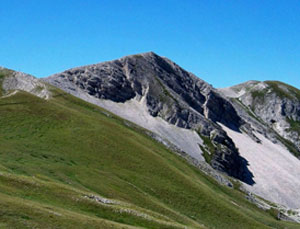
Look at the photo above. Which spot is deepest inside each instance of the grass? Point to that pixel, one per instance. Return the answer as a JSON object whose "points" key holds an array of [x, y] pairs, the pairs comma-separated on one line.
{"points": [[294, 125], [54, 153], [208, 149]]}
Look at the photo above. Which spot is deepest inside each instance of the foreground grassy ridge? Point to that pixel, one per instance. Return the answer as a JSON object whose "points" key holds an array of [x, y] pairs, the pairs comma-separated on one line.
{"points": [[55, 153]]}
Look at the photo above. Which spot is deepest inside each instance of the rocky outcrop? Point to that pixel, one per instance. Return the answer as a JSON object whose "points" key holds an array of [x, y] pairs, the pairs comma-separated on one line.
{"points": [[171, 93], [13, 81]]}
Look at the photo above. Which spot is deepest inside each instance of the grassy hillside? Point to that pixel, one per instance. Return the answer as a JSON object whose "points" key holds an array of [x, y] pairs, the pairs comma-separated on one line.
{"points": [[65, 163]]}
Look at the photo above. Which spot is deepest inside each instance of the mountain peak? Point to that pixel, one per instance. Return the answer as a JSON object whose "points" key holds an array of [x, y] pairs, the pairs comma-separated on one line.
{"points": [[166, 91], [150, 53]]}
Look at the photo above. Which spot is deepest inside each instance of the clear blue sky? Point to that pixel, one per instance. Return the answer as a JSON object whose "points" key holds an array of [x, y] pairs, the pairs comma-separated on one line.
{"points": [[224, 42]]}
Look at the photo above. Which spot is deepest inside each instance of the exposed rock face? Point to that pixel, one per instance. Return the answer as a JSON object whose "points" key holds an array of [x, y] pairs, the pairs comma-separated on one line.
{"points": [[174, 94], [171, 93], [276, 104]]}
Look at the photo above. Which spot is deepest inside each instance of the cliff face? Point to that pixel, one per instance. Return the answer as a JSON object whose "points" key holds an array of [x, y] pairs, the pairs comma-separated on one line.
{"points": [[170, 93]]}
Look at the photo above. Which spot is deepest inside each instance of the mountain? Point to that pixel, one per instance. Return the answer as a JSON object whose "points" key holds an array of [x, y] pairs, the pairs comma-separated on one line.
{"points": [[157, 94], [66, 162]]}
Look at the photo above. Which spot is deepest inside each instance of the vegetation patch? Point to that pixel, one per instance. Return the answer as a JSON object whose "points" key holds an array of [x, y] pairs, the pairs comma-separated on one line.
{"points": [[289, 145], [208, 149], [247, 109], [164, 97], [258, 97], [294, 125], [206, 154]]}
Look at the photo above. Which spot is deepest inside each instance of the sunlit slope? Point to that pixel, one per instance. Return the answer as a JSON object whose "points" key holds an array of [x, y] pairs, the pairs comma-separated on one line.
{"points": [[67, 164]]}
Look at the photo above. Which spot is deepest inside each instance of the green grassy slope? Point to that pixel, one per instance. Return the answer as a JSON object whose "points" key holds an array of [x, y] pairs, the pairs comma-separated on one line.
{"points": [[56, 155]]}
